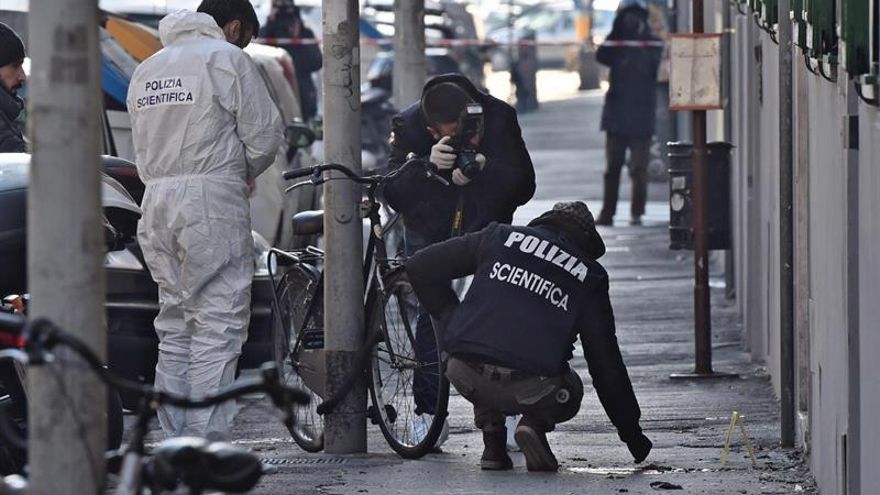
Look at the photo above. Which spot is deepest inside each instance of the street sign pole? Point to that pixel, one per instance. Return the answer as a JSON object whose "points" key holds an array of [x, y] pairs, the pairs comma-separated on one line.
{"points": [[702, 297], [67, 402], [345, 428], [409, 52]]}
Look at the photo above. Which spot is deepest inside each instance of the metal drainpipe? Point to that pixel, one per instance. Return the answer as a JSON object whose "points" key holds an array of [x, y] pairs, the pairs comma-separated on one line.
{"points": [[786, 228]]}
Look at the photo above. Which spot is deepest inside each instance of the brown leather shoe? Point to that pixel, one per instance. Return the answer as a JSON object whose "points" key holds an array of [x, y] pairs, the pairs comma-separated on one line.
{"points": [[495, 456], [539, 456]]}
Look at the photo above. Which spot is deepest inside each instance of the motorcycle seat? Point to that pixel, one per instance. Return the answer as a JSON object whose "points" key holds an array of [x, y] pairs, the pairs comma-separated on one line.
{"points": [[308, 222], [204, 465]]}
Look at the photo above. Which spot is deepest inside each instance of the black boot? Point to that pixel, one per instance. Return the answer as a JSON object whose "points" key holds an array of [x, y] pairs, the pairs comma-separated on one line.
{"points": [[533, 441], [495, 456]]}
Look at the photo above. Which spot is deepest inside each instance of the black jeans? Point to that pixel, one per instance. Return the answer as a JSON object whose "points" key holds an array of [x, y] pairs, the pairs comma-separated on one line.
{"points": [[425, 378], [615, 157]]}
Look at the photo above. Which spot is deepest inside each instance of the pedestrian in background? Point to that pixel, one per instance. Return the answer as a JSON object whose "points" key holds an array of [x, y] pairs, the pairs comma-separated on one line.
{"points": [[204, 126], [11, 79], [536, 289], [285, 21], [629, 112]]}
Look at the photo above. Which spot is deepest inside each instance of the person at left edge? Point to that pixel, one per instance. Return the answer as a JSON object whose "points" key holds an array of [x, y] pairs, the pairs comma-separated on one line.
{"points": [[11, 78], [203, 126]]}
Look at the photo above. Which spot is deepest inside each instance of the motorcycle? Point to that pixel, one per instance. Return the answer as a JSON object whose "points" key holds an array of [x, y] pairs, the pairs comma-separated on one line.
{"points": [[121, 214]]}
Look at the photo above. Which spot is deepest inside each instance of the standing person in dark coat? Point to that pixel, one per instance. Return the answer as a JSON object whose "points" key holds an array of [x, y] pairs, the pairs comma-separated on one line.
{"points": [[628, 114], [505, 179], [11, 78], [285, 22], [536, 289]]}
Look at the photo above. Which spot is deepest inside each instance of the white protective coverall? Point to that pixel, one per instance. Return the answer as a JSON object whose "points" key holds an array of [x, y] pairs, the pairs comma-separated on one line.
{"points": [[203, 124]]}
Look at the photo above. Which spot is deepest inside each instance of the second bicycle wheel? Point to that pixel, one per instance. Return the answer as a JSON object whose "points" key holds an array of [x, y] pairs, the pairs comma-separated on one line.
{"points": [[291, 336], [408, 388]]}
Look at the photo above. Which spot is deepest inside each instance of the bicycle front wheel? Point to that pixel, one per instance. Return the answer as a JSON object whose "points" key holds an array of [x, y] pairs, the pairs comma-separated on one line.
{"points": [[291, 335], [408, 387]]}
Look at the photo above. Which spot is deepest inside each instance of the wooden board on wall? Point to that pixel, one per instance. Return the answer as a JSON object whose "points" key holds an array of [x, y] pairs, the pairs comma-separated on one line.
{"points": [[695, 75]]}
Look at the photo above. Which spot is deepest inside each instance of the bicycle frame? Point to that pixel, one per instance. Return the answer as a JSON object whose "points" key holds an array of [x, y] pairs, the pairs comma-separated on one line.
{"points": [[376, 265], [40, 337]]}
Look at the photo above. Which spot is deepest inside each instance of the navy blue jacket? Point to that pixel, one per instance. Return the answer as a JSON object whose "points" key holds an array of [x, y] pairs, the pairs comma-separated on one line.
{"points": [[11, 138], [507, 181], [533, 294], [631, 100]]}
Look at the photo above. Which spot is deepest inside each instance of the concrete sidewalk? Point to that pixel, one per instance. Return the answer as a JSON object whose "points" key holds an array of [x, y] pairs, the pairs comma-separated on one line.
{"points": [[652, 296]]}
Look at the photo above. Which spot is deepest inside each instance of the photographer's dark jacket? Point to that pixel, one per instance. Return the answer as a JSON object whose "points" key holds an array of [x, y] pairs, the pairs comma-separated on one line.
{"points": [[632, 92], [533, 294], [507, 181], [11, 138]]}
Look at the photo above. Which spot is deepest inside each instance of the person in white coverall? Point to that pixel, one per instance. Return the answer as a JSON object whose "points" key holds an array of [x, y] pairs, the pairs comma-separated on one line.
{"points": [[203, 126]]}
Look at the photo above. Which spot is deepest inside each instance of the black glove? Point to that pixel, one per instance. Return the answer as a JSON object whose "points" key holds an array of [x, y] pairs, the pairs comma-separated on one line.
{"points": [[639, 447]]}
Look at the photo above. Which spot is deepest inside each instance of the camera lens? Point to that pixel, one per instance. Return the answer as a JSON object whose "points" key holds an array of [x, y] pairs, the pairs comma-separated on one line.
{"points": [[466, 161]]}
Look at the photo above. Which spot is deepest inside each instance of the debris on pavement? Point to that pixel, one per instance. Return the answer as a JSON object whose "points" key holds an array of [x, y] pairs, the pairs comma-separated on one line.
{"points": [[665, 485]]}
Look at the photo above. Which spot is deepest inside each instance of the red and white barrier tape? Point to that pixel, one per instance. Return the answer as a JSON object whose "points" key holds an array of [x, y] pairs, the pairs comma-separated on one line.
{"points": [[467, 42]]}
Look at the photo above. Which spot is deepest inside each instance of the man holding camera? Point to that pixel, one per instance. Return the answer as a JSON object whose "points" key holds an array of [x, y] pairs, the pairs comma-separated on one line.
{"points": [[480, 172]]}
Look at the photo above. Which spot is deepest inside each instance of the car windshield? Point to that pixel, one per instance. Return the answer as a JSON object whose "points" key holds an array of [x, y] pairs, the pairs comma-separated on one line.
{"points": [[603, 20], [539, 20]]}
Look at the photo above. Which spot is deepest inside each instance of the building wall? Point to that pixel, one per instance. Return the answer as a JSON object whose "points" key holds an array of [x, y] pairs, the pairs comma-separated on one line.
{"points": [[823, 259], [828, 303], [768, 180], [869, 288]]}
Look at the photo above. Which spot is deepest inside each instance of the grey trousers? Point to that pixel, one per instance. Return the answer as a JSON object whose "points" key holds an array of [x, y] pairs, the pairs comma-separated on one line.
{"points": [[497, 392]]}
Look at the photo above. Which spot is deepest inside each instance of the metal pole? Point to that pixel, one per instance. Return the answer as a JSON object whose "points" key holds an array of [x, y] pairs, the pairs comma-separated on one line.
{"points": [[702, 308], [409, 51], [727, 92], [511, 38], [66, 413], [702, 296], [786, 227], [345, 429]]}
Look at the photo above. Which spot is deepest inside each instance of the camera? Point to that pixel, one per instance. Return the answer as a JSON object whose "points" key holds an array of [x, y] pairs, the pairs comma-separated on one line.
{"points": [[470, 125]]}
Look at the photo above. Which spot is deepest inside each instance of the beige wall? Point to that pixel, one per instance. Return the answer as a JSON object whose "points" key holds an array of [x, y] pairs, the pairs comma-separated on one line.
{"points": [[823, 305], [869, 291]]}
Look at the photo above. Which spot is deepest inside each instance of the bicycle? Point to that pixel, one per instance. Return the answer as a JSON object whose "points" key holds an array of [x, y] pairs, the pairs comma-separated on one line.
{"points": [[194, 462], [410, 425]]}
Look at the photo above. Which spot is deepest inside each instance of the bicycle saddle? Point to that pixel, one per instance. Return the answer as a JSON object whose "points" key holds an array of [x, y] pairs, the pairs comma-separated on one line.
{"points": [[308, 222], [204, 465]]}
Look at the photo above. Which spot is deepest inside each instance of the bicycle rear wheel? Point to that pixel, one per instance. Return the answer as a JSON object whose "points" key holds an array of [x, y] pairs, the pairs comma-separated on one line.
{"points": [[295, 292], [408, 389]]}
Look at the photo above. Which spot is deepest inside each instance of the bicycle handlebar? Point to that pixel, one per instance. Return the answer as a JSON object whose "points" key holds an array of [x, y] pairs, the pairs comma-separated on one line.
{"points": [[40, 336], [315, 172]]}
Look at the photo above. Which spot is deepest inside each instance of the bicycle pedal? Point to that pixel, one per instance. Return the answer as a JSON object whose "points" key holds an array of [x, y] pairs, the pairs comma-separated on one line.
{"points": [[371, 413], [313, 338]]}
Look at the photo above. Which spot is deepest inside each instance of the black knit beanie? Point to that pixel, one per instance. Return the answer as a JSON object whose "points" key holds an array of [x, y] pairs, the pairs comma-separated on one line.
{"points": [[11, 46], [575, 220]]}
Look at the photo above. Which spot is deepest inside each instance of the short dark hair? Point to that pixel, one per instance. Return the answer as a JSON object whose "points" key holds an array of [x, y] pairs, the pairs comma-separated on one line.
{"points": [[444, 103], [226, 11]]}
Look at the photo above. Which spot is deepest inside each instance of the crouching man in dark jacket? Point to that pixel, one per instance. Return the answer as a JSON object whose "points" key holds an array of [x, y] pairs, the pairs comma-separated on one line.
{"points": [[535, 290]]}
